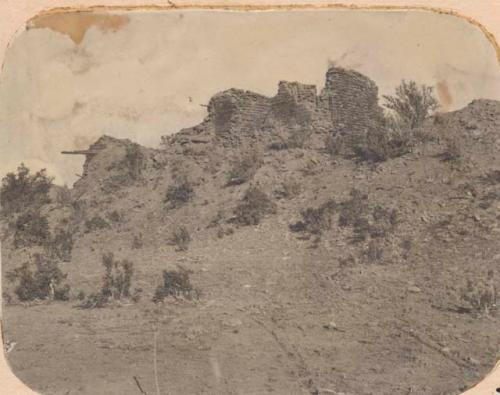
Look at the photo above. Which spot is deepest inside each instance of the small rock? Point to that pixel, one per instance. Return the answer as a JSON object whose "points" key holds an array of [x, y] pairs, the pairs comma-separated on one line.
{"points": [[331, 326], [233, 322], [414, 289]]}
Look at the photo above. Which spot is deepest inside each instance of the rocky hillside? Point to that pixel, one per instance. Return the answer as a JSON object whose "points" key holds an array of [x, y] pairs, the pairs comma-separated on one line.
{"points": [[383, 270]]}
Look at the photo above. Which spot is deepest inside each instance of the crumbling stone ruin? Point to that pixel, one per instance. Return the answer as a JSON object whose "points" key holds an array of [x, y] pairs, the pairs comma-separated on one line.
{"points": [[348, 103]]}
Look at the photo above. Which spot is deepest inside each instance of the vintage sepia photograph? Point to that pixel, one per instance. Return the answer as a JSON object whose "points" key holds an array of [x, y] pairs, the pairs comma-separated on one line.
{"points": [[288, 202]]}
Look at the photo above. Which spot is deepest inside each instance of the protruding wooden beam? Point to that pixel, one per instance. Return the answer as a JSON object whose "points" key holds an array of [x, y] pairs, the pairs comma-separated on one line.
{"points": [[80, 152]]}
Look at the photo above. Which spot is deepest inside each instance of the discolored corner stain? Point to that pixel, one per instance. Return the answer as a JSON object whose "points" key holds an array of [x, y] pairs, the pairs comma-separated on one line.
{"points": [[76, 24], [444, 94], [261, 7]]}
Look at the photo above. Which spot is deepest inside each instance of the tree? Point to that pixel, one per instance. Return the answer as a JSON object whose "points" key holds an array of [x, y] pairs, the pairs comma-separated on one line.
{"points": [[412, 103], [23, 190]]}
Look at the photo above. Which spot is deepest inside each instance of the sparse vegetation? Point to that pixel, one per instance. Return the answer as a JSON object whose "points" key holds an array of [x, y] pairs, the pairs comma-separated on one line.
{"points": [[244, 168], [452, 149], [116, 283], [176, 283], [31, 228], [61, 245], [179, 193], [63, 196], [253, 207], [377, 145], [492, 177], [354, 209], [355, 213], [374, 252], [290, 188], [6, 298], [411, 104], [137, 242], [39, 279], [115, 216], [180, 238], [117, 278], [80, 295], [96, 223], [23, 190], [316, 220], [480, 296]]}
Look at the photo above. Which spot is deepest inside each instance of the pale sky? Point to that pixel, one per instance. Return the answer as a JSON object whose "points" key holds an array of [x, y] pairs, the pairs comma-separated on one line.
{"points": [[136, 81]]}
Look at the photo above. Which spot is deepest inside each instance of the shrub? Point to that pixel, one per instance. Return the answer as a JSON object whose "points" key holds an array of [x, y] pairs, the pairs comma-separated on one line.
{"points": [[244, 169], [374, 252], [40, 279], [290, 188], [94, 300], [137, 242], [179, 194], [315, 220], [116, 283], [492, 177], [221, 232], [353, 210], [411, 103], [176, 283], [79, 213], [180, 238], [298, 138], [80, 295], [31, 228], [117, 277], [253, 207], [309, 169], [481, 296], [63, 196], [6, 298], [24, 190], [334, 144], [376, 145], [115, 216], [452, 148], [136, 296], [61, 245], [384, 221], [96, 223]]}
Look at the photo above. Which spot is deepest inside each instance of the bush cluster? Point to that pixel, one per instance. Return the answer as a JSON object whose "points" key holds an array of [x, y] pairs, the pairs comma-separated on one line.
{"points": [[315, 220], [39, 279], [254, 206], [23, 190], [116, 282], [176, 283], [96, 223], [179, 193], [31, 228], [180, 238]]}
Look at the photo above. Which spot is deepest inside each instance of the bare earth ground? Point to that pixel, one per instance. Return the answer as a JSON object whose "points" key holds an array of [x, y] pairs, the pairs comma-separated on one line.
{"points": [[277, 314]]}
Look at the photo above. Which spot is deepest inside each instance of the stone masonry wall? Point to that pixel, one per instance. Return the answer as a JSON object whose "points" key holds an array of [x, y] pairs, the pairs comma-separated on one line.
{"points": [[348, 104], [350, 100]]}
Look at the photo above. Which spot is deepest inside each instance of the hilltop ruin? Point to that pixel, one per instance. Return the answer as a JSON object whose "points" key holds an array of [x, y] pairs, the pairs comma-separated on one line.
{"points": [[348, 103]]}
